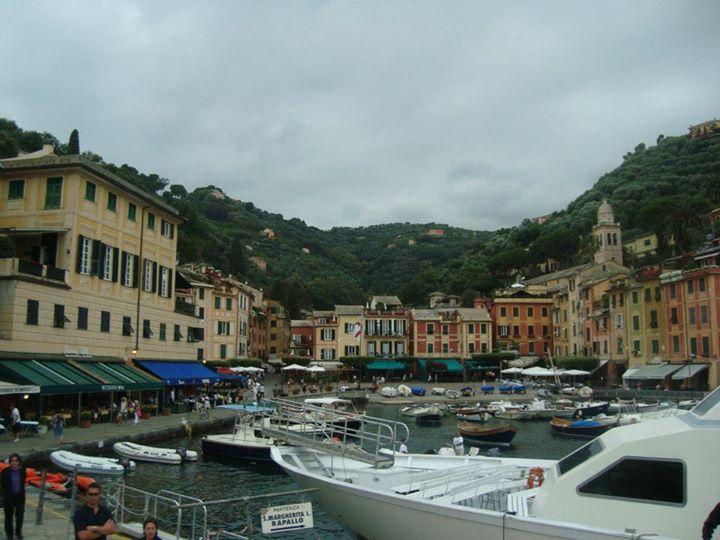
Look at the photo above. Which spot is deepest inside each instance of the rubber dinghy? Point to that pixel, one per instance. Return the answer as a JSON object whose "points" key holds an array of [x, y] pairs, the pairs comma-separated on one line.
{"points": [[70, 461], [140, 452]]}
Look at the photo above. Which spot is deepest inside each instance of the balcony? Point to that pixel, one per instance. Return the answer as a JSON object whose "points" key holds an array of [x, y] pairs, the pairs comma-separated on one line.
{"points": [[181, 306], [30, 269]]}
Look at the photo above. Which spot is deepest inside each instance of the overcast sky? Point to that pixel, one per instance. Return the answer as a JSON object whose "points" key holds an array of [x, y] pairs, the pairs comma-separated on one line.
{"points": [[477, 114]]}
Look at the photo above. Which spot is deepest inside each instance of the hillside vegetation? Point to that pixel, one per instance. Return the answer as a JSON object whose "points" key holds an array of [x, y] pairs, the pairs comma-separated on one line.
{"points": [[667, 189]]}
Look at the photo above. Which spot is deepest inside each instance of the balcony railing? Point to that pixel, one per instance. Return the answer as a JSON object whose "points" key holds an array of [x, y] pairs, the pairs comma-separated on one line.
{"points": [[24, 267]]}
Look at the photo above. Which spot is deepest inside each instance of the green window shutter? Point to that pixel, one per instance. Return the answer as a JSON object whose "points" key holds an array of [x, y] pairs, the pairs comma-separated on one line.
{"points": [[154, 276], [170, 283], [78, 259], [136, 270], [95, 257], [123, 263], [115, 261]]}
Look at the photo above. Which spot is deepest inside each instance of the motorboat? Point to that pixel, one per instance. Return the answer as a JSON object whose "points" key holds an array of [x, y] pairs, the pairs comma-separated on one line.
{"points": [[430, 416], [245, 443], [438, 391], [646, 480], [591, 427], [152, 454], [389, 391], [588, 409], [585, 392], [477, 417], [418, 390], [466, 391], [418, 410], [404, 390], [452, 394], [633, 406], [100, 466], [481, 435]]}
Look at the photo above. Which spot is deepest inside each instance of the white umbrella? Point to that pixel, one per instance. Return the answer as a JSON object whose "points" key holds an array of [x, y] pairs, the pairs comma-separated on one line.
{"points": [[316, 369], [255, 369], [295, 367], [239, 369], [512, 370], [575, 372], [539, 372]]}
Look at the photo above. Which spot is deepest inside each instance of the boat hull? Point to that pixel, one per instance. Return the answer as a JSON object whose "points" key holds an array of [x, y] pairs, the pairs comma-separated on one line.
{"points": [[394, 516], [224, 450]]}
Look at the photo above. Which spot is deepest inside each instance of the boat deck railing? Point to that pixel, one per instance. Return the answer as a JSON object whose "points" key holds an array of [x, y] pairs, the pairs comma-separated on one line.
{"points": [[340, 433], [183, 517]]}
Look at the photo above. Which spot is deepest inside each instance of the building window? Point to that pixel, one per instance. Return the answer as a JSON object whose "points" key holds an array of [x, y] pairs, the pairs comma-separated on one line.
{"points": [[653, 318], [701, 284], [327, 334], [112, 202], [690, 286], [218, 302], [106, 263], [167, 229], [127, 329], [53, 193], [82, 318], [483, 347], [544, 312], [471, 348], [673, 292], [658, 294], [530, 312], [483, 328], [636, 345], [151, 221], [706, 346], [638, 479], [530, 330], [90, 189], [200, 354], [430, 348], [531, 347], [676, 344], [516, 311], [636, 323], [132, 212], [634, 297], [516, 331], [201, 313], [655, 346], [703, 315], [148, 276], [223, 328], [147, 331], [647, 295], [352, 350], [691, 315], [83, 255], [445, 348], [545, 330], [16, 189], [503, 312], [673, 316], [128, 270], [371, 349], [177, 335], [201, 294], [223, 351], [503, 330], [33, 308], [164, 282], [445, 329], [693, 346], [471, 329], [104, 321], [59, 318], [228, 304]]}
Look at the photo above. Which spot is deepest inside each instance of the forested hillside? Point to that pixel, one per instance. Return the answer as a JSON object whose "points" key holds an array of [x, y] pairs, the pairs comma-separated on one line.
{"points": [[667, 189]]}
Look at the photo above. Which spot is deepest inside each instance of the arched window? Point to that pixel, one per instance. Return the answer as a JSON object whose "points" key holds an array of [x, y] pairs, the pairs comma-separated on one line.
{"points": [[614, 239]]}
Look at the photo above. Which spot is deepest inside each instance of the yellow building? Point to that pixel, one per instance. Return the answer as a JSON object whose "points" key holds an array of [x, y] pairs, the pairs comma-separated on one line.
{"points": [[278, 330], [646, 321], [325, 338], [350, 324], [94, 264], [643, 245]]}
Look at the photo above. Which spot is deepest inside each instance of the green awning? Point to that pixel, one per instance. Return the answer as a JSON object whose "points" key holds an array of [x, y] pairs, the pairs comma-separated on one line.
{"points": [[445, 364], [119, 376], [689, 370], [653, 372], [379, 365], [53, 377]]}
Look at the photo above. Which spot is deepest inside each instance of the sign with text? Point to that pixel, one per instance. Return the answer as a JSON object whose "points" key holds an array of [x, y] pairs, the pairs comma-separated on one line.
{"points": [[290, 517]]}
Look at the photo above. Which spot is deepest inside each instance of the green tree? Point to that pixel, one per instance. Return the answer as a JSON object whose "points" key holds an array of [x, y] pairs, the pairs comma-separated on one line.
{"points": [[8, 146], [681, 217], [237, 263], [74, 143]]}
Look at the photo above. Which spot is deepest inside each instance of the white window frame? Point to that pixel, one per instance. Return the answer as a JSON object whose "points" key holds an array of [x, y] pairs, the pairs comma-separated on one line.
{"points": [[147, 276], [107, 264], [84, 255], [129, 261], [164, 273], [165, 228]]}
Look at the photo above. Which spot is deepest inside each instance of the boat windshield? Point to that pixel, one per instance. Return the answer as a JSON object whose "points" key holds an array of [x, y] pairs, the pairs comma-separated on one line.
{"points": [[708, 403], [579, 456]]}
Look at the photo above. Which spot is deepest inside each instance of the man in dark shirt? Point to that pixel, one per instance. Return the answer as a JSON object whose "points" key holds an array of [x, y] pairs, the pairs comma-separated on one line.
{"points": [[93, 521], [12, 484]]}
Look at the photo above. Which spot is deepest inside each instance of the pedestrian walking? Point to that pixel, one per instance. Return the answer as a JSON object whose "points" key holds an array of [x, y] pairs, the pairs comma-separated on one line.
{"points": [[136, 416], [12, 485], [123, 409], [261, 392], [93, 521], [58, 427], [15, 421]]}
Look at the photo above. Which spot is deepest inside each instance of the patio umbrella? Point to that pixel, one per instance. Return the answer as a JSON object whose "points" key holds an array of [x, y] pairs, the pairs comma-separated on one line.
{"points": [[254, 369], [295, 367], [512, 371], [539, 372], [316, 369], [575, 373]]}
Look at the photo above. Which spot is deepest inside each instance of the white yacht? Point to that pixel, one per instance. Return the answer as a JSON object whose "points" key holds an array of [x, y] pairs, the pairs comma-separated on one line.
{"points": [[653, 479]]}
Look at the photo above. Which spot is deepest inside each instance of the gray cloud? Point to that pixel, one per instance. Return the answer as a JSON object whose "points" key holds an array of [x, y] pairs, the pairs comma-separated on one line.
{"points": [[476, 114]]}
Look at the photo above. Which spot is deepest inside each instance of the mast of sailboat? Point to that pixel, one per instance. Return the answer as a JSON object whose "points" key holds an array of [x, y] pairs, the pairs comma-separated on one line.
{"points": [[552, 366]]}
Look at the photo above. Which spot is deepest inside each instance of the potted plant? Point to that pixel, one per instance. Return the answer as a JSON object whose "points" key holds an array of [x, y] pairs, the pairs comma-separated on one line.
{"points": [[85, 419], [148, 410]]}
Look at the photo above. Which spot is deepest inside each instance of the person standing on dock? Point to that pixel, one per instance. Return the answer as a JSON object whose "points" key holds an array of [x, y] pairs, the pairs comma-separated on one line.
{"points": [[93, 521], [459, 444], [12, 484], [58, 426], [15, 421]]}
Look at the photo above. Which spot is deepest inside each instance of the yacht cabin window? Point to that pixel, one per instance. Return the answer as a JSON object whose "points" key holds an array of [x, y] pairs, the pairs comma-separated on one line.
{"points": [[640, 479], [579, 456]]}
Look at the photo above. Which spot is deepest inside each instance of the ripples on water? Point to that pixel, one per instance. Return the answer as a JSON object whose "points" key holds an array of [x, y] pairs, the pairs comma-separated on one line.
{"points": [[212, 480]]}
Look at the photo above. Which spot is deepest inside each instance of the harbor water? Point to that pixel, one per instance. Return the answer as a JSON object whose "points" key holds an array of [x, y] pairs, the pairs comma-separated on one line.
{"points": [[210, 480]]}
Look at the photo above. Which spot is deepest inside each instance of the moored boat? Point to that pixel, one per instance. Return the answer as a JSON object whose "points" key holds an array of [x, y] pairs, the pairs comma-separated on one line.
{"points": [[404, 390], [152, 454], [70, 461], [495, 435], [389, 391], [580, 428]]}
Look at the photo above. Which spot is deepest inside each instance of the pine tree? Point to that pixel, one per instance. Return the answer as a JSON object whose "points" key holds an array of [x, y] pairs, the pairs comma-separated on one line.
{"points": [[236, 259], [74, 142]]}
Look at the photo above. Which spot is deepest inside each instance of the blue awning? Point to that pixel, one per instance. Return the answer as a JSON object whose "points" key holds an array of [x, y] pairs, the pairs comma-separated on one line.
{"points": [[180, 373]]}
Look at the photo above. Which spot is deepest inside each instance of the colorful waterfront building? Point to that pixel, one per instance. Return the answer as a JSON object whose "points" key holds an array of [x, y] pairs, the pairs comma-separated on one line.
{"points": [[302, 342], [387, 327], [325, 339], [278, 328], [350, 329], [522, 315]]}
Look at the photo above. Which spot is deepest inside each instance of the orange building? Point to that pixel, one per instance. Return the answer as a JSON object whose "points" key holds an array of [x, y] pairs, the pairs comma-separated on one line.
{"points": [[523, 319]]}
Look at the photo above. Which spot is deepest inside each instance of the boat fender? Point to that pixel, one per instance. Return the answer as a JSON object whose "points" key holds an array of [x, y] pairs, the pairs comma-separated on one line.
{"points": [[537, 474]]}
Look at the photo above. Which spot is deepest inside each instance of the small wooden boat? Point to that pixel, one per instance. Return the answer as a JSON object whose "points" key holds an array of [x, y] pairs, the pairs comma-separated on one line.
{"points": [[578, 428], [140, 452], [69, 461], [475, 434]]}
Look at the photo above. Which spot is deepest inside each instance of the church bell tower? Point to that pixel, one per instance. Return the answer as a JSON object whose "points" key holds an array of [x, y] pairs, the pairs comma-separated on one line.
{"points": [[607, 234]]}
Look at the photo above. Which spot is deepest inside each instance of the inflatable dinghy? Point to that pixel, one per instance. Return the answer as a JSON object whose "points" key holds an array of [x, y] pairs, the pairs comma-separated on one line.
{"points": [[70, 461], [139, 452]]}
